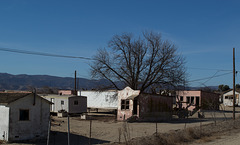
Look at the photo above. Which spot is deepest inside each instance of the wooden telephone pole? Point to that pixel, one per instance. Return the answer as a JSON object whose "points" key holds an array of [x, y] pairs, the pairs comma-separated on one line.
{"points": [[234, 83]]}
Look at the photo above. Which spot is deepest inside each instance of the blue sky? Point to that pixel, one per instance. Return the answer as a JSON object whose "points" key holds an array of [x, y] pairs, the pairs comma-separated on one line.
{"points": [[204, 31]]}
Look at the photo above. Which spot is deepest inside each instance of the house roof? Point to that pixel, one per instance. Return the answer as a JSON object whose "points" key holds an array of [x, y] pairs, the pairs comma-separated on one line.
{"points": [[6, 98]]}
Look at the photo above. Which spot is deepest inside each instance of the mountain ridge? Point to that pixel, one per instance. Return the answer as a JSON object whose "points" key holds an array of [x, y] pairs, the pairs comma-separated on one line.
{"points": [[27, 82], [24, 82]]}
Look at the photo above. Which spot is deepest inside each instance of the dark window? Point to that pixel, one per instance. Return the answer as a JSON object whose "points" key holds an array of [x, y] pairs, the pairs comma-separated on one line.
{"points": [[62, 102], [76, 102], [197, 100], [192, 100], [181, 98], [23, 115], [124, 104], [188, 99], [127, 104]]}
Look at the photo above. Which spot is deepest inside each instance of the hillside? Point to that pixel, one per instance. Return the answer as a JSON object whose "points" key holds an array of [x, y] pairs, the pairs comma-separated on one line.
{"points": [[24, 82]]}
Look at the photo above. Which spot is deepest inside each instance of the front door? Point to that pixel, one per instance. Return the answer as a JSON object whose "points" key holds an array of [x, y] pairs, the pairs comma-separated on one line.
{"points": [[135, 103]]}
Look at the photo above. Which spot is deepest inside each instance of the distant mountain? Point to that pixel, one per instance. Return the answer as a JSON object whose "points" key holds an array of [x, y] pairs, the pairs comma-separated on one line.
{"points": [[24, 82]]}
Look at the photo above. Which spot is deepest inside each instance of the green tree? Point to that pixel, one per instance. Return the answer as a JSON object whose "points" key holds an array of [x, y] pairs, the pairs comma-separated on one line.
{"points": [[223, 87], [237, 86]]}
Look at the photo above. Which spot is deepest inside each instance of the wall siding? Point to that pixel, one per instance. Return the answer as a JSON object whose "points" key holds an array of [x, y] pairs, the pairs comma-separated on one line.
{"points": [[81, 107], [98, 99]]}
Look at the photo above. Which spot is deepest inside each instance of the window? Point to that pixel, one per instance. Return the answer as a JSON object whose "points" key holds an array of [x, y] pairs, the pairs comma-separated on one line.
{"points": [[197, 100], [124, 104], [23, 115], [62, 102], [229, 97], [192, 99], [76, 102], [188, 99], [181, 98], [107, 98]]}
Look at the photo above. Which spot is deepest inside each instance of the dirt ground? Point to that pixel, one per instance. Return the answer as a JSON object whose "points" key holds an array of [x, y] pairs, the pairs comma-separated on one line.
{"points": [[107, 130]]}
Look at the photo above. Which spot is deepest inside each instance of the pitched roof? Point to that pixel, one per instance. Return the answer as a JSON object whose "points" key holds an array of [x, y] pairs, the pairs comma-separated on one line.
{"points": [[6, 98]]}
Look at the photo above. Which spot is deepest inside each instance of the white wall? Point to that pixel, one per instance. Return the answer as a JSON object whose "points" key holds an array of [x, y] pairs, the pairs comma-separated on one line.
{"points": [[100, 99], [229, 102], [37, 125], [57, 102], [4, 123]]}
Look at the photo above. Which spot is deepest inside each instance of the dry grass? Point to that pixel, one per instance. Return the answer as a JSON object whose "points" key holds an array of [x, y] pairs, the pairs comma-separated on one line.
{"points": [[1, 142], [202, 134]]}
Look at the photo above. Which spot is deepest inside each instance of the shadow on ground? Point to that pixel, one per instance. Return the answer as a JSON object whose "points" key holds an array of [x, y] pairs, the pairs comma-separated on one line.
{"points": [[58, 138], [61, 138]]}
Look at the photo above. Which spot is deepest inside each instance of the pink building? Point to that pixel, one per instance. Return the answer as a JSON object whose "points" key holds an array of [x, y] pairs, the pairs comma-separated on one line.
{"points": [[197, 99], [65, 92], [143, 107]]}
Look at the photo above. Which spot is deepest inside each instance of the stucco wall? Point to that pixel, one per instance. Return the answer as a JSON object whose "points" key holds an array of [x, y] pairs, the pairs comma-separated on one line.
{"points": [[123, 95], [37, 125], [65, 92], [80, 107], [100, 99], [4, 123], [186, 94], [206, 99]]}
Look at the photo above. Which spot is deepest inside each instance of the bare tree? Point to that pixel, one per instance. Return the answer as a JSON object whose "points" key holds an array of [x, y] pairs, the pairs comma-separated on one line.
{"points": [[141, 63]]}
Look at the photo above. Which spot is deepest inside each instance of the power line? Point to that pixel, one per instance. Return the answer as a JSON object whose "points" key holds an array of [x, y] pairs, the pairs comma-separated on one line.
{"points": [[214, 76], [87, 58], [207, 69], [211, 77], [42, 54]]}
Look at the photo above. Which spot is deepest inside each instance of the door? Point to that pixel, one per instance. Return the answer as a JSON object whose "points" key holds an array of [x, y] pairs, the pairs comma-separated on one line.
{"points": [[135, 103], [52, 105]]}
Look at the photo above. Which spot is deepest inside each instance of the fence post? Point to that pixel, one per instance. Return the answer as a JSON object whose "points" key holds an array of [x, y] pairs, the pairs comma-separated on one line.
{"points": [[90, 133], [68, 131], [49, 130]]}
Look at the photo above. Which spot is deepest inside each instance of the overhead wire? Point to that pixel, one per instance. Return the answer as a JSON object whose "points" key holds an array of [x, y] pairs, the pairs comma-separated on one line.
{"points": [[88, 58], [207, 69], [42, 54], [209, 77]]}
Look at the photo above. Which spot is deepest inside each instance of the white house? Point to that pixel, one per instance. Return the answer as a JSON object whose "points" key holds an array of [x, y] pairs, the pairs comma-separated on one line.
{"points": [[24, 116], [228, 98], [69, 103], [101, 99]]}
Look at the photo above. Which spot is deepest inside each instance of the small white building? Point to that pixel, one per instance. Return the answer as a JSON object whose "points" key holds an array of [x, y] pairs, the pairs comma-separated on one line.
{"points": [[101, 99], [228, 98], [69, 103], [24, 116]]}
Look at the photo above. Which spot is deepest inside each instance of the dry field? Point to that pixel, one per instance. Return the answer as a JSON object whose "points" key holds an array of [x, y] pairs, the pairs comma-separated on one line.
{"points": [[105, 130]]}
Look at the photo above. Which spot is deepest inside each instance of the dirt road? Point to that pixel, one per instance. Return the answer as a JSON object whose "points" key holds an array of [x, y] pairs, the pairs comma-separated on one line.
{"points": [[109, 130], [230, 138]]}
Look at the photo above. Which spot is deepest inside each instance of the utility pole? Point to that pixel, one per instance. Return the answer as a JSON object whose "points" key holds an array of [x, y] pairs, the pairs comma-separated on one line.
{"points": [[75, 85], [234, 83]]}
